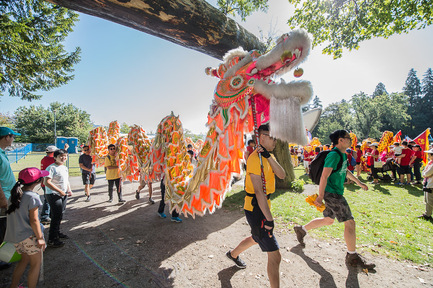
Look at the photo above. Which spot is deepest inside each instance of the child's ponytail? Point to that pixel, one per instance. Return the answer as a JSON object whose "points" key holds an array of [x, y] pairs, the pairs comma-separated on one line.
{"points": [[16, 194]]}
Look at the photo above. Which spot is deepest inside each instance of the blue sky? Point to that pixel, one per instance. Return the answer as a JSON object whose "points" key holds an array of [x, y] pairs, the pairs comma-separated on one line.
{"points": [[132, 77]]}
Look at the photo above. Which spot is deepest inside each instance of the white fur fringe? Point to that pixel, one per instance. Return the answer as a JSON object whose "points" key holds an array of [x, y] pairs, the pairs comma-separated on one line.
{"points": [[286, 122]]}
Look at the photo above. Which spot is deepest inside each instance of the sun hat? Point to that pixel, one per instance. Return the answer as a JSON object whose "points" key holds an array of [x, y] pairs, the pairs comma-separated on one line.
{"points": [[429, 151], [374, 144], [51, 148], [30, 175], [8, 131]]}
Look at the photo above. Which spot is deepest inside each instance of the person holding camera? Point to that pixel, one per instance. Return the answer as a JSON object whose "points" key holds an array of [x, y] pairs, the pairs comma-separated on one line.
{"points": [[427, 173]]}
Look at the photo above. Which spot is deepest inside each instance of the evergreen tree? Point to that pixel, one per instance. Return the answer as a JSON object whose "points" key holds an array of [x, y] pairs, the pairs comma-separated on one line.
{"points": [[33, 57], [316, 103], [412, 90], [380, 89], [425, 112]]}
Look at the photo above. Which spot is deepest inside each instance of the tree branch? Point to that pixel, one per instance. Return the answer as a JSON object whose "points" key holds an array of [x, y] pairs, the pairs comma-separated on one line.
{"points": [[194, 24]]}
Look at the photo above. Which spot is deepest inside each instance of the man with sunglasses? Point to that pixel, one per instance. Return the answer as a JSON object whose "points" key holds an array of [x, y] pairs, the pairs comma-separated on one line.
{"points": [[113, 174], [88, 173], [257, 206], [331, 190]]}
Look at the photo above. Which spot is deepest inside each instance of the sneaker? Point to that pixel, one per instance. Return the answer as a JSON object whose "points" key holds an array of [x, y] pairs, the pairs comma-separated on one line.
{"points": [[46, 221], [357, 260], [110, 200], [88, 199], [238, 261], [176, 219], [137, 195], [162, 215], [55, 243], [122, 200], [63, 236], [151, 200], [425, 217], [300, 234]]}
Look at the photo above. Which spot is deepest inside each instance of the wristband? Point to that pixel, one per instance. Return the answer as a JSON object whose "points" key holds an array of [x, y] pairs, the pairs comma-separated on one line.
{"points": [[265, 153]]}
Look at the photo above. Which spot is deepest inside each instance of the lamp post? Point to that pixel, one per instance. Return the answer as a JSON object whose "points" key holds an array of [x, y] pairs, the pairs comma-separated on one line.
{"points": [[55, 131]]}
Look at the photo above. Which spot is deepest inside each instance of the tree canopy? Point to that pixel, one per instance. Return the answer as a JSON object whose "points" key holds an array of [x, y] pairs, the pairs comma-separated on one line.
{"points": [[344, 24], [32, 55], [36, 123]]}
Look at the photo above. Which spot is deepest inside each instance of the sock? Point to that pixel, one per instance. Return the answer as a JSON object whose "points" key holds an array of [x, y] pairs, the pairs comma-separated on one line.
{"points": [[351, 252], [303, 228]]}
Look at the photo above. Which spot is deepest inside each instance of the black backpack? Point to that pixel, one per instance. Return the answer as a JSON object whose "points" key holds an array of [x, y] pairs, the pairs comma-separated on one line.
{"points": [[316, 166]]}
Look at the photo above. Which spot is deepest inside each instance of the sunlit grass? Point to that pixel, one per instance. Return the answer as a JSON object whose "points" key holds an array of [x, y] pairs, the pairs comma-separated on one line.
{"points": [[33, 159], [385, 218]]}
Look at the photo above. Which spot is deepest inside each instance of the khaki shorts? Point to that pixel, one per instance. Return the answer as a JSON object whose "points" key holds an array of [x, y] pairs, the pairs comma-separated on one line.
{"points": [[28, 246]]}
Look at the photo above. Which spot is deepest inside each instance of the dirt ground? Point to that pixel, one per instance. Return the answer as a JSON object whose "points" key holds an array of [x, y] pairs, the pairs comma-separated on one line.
{"points": [[128, 245]]}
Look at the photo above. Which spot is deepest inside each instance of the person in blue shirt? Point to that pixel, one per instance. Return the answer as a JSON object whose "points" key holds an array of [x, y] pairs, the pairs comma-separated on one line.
{"points": [[7, 180]]}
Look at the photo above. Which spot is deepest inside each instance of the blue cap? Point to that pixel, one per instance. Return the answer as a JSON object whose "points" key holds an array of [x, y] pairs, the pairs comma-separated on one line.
{"points": [[7, 131]]}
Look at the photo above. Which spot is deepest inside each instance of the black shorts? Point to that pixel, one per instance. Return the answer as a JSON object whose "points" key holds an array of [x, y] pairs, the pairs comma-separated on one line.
{"points": [[337, 207], [266, 243], [403, 169], [357, 163], [88, 178]]}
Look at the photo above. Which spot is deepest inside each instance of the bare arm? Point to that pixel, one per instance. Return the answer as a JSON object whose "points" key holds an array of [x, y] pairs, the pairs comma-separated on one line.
{"points": [[3, 200], [322, 185], [36, 227], [276, 167], [356, 180], [85, 168]]}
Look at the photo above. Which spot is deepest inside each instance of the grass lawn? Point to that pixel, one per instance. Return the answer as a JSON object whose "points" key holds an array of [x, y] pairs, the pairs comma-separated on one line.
{"points": [[33, 159], [385, 217]]}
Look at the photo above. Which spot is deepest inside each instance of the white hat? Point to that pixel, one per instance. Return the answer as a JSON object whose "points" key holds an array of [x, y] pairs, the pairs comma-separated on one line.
{"points": [[374, 144], [51, 148], [429, 151]]}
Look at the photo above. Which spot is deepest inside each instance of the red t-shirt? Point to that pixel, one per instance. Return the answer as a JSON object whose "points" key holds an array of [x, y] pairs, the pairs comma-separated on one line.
{"points": [[45, 162], [358, 156], [418, 154], [370, 159], [407, 155]]}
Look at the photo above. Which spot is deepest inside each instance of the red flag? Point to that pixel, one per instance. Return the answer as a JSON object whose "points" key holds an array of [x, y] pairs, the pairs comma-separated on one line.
{"points": [[397, 137], [422, 140]]}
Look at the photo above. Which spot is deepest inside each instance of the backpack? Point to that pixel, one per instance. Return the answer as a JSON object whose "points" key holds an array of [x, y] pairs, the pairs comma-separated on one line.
{"points": [[316, 166]]}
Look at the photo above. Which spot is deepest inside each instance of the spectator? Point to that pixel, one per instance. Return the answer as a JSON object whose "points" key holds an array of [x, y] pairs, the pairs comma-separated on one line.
{"points": [[24, 228], [7, 181], [113, 174], [58, 190], [88, 172], [427, 173], [358, 159], [373, 157], [250, 148], [308, 157], [404, 169], [397, 152], [45, 162], [416, 161]]}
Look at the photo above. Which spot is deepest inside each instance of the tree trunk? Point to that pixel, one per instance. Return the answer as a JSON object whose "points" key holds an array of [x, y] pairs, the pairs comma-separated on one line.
{"points": [[194, 24], [282, 153]]}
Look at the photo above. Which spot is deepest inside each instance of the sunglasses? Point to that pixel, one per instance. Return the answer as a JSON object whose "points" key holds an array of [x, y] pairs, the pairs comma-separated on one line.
{"points": [[112, 148], [86, 150]]}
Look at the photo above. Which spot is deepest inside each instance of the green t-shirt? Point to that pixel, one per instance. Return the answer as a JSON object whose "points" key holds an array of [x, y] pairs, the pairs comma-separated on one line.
{"points": [[336, 180]]}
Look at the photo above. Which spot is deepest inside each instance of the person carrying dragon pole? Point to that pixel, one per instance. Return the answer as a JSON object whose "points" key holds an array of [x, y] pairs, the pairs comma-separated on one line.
{"points": [[257, 206]]}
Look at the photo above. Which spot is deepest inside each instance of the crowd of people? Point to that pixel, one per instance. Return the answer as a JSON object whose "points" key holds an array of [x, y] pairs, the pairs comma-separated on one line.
{"points": [[22, 224]]}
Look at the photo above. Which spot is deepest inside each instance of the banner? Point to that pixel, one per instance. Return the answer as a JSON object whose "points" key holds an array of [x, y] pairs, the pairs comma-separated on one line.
{"points": [[397, 137], [422, 140]]}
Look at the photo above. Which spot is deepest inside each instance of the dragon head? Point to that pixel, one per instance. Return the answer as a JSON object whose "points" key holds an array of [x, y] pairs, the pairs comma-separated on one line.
{"points": [[250, 74]]}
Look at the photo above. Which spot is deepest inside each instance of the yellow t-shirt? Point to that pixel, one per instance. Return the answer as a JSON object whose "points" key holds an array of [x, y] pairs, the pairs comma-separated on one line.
{"points": [[111, 174], [253, 167]]}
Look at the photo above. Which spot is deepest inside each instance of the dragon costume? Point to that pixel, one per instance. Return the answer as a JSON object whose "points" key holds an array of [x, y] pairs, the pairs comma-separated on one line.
{"points": [[246, 88]]}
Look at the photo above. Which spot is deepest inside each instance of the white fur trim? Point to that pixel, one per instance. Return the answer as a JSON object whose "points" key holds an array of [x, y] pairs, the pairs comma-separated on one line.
{"points": [[286, 121], [301, 90]]}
